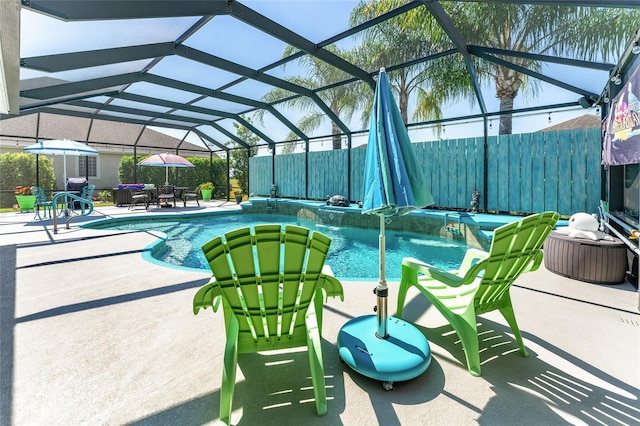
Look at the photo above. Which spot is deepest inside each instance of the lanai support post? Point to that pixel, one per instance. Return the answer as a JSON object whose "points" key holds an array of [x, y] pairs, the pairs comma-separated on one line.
{"points": [[306, 169], [273, 165], [349, 168], [485, 163]]}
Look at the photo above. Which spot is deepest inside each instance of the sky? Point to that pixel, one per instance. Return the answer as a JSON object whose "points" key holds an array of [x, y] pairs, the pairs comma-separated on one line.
{"points": [[314, 20]]}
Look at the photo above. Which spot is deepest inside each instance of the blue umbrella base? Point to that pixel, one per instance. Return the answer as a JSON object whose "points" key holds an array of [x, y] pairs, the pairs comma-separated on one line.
{"points": [[403, 355]]}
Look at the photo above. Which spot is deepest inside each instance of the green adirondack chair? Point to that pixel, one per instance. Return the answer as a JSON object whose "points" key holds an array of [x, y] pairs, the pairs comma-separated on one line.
{"points": [[267, 279], [482, 282]]}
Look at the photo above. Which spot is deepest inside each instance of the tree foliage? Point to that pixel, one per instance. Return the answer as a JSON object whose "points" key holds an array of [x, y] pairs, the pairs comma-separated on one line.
{"points": [[342, 100], [400, 40], [586, 33]]}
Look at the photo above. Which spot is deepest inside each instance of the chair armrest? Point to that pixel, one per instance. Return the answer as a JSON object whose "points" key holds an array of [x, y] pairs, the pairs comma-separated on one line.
{"points": [[208, 295], [447, 277], [330, 284], [470, 259], [535, 262]]}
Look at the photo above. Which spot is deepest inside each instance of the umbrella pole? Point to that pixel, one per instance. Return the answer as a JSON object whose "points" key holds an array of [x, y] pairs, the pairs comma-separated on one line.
{"points": [[166, 176], [381, 290], [64, 170]]}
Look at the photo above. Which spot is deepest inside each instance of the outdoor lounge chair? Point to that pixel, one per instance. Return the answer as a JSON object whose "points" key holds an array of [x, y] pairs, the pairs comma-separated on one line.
{"points": [[272, 302], [41, 201], [483, 281]]}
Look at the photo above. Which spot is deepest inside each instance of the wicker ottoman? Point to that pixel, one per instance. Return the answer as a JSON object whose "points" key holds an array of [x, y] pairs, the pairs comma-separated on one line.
{"points": [[603, 262]]}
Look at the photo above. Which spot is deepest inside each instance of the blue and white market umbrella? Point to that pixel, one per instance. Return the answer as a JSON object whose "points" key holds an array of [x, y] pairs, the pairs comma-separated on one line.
{"points": [[61, 147]]}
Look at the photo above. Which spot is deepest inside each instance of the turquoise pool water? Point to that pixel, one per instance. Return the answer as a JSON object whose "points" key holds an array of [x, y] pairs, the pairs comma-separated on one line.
{"points": [[353, 253]]}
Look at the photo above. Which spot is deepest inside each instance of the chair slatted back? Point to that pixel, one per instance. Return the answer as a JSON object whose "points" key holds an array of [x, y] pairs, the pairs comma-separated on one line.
{"points": [[138, 195], [268, 276], [513, 248], [166, 190], [39, 194], [87, 191]]}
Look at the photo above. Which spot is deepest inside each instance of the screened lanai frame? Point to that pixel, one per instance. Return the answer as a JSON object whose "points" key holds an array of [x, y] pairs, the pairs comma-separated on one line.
{"points": [[199, 66]]}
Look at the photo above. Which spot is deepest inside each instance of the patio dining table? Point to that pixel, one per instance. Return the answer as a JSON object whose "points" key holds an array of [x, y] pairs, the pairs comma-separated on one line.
{"points": [[177, 194]]}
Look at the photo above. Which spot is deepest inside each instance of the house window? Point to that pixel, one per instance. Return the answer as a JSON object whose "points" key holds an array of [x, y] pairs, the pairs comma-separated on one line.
{"points": [[93, 166]]}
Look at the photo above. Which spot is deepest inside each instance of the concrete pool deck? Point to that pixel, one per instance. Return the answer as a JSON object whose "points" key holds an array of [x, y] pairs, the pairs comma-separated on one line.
{"points": [[93, 334]]}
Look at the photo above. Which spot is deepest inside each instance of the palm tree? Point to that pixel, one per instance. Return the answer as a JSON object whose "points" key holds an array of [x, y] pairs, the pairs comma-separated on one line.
{"points": [[580, 32], [342, 99], [586, 33], [399, 40]]}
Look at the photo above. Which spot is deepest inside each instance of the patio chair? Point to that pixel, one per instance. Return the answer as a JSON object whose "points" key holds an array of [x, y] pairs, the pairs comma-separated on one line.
{"points": [[167, 195], [190, 195], [139, 196], [41, 201], [87, 192], [272, 302], [483, 281]]}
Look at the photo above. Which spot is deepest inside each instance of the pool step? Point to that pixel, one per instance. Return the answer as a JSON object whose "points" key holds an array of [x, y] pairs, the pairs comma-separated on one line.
{"points": [[486, 233]]}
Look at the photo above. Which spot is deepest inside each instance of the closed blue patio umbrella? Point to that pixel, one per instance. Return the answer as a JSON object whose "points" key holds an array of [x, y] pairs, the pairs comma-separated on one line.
{"points": [[394, 184]]}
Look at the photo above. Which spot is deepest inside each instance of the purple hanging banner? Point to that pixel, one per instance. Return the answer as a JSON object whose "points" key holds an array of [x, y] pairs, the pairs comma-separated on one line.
{"points": [[621, 128]]}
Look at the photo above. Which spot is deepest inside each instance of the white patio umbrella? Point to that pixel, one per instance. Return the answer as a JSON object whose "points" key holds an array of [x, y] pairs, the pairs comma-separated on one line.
{"points": [[166, 160], [61, 147]]}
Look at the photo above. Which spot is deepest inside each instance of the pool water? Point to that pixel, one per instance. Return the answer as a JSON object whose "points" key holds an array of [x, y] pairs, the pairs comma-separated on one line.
{"points": [[353, 254]]}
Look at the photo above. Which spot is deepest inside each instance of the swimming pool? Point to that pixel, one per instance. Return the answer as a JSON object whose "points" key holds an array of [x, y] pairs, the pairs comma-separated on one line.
{"points": [[353, 253]]}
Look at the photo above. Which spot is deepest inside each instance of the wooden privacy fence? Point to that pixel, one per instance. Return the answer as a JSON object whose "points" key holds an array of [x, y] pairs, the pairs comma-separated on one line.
{"points": [[525, 173]]}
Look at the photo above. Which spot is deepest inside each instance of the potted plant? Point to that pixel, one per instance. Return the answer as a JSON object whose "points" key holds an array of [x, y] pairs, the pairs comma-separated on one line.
{"points": [[238, 195], [26, 200], [206, 189]]}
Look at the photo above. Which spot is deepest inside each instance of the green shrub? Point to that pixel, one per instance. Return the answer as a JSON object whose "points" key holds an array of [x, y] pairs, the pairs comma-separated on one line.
{"points": [[105, 196], [190, 177], [207, 186], [19, 169]]}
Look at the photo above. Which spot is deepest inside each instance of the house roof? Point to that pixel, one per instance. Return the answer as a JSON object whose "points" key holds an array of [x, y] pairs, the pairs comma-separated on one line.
{"points": [[581, 122], [102, 135]]}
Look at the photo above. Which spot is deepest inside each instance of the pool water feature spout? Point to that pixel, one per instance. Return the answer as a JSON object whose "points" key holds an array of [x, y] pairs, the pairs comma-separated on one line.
{"points": [[330, 216]]}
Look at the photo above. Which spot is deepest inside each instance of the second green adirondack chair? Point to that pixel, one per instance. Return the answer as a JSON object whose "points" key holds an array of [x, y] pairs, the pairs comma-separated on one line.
{"points": [[483, 281], [272, 283]]}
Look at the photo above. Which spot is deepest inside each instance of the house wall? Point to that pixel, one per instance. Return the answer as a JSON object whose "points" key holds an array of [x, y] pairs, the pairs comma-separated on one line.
{"points": [[107, 171]]}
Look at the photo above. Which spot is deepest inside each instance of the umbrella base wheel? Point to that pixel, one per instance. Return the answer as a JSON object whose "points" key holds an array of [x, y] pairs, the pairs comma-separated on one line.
{"points": [[403, 355]]}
